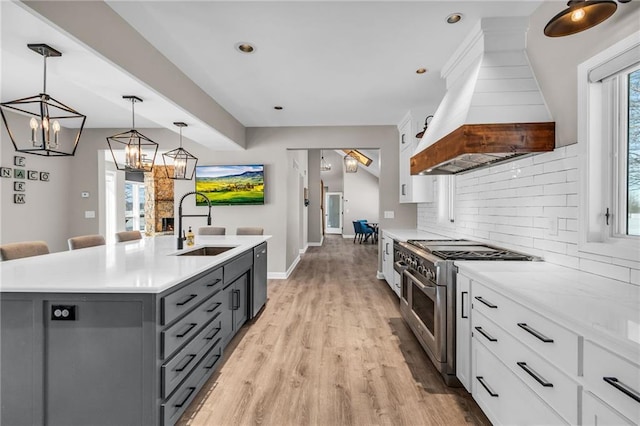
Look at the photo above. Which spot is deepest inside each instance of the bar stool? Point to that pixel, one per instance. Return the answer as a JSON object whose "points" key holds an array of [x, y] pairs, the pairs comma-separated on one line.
{"points": [[212, 230], [85, 241], [128, 236], [248, 230], [13, 251]]}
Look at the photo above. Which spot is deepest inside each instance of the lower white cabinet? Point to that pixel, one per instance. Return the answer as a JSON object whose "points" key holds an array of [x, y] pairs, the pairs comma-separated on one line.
{"points": [[596, 412], [390, 275]]}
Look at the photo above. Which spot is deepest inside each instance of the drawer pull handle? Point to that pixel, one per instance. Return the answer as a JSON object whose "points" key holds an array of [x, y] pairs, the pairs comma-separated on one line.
{"points": [[631, 393], [186, 300], [215, 282], [212, 335], [215, 360], [214, 307], [485, 334], [535, 375], [184, 401], [189, 328], [182, 367], [463, 315], [234, 305], [486, 302], [534, 332], [487, 388]]}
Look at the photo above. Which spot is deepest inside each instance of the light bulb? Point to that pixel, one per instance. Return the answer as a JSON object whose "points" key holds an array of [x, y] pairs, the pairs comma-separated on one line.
{"points": [[578, 15], [56, 130], [33, 123]]}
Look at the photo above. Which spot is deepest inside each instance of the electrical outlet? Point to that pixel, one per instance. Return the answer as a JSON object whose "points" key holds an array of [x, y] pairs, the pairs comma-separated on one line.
{"points": [[389, 214], [63, 312]]}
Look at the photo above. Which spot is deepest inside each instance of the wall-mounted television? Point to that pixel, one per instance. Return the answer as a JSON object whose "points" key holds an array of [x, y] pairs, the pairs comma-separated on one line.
{"points": [[230, 185]]}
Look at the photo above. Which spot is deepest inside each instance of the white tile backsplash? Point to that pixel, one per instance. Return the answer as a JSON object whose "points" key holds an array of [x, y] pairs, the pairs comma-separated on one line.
{"points": [[515, 204]]}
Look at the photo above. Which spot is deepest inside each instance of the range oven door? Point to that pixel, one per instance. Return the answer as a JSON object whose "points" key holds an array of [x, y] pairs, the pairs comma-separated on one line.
{"points": [[427, 304]]}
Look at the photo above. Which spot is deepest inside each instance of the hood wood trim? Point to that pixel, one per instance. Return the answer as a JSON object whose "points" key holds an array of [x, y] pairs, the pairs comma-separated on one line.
{"points": [[469, 139]]}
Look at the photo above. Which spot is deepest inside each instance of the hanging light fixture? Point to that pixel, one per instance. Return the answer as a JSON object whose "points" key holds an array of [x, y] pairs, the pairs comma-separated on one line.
{"points": [[54, 128], [184, 164], [324, 166], [426, 125], [579, 16], [350, 164], [139, 151]]}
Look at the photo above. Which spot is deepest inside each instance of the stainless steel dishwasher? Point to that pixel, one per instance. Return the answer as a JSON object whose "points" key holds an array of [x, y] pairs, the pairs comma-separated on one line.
{"points": [[259, 285]]}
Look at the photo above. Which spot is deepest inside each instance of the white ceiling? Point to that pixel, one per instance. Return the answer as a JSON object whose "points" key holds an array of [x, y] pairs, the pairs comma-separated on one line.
{"points": [[326, 63]]}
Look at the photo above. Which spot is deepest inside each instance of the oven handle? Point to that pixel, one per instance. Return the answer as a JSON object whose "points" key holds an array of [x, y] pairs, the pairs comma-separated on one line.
{"points": [[429, 290], [400, 267]]}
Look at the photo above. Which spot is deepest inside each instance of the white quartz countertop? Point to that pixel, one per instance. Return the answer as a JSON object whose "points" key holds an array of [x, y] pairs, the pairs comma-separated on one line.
{"points": [[412, 234], [149, 265], [595, 307]]}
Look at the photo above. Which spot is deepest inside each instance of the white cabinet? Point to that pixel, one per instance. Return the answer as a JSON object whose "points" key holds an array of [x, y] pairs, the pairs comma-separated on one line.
{"points": [[596, 412], [413, 189], [390, 275], [463, 331]]}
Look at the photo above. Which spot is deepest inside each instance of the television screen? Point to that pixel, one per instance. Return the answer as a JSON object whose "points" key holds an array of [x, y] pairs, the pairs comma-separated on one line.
{"points": [[230, 185]]}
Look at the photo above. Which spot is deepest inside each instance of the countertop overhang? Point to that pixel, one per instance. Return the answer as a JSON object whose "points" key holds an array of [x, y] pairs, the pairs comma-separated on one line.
{"points": [[150, 265]]}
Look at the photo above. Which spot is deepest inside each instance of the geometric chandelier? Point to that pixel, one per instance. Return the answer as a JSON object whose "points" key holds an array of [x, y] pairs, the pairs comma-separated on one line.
{"points": [[132, 151], [184, 164], [41, 125]]}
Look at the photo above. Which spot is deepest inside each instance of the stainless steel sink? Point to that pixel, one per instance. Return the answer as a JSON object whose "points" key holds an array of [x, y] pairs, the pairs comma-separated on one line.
{"points": [[207, 251]]}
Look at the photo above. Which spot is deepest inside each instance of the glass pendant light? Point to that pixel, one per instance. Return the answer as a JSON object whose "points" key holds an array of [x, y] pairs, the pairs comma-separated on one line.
{"points": [[132, 151], [183, 163], [324, 166], [350, 164], [51, 128], [579, 16]]}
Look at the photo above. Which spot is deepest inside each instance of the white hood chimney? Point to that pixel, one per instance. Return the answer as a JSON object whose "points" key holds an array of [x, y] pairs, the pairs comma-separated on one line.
{"points": [[489, 82]]}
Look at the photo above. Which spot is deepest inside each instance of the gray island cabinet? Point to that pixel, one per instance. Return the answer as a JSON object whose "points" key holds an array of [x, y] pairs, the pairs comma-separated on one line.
{"points": [[119, 357]]}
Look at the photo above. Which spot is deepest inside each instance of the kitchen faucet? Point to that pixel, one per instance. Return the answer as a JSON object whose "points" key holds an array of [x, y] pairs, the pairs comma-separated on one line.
{"points": [[180, 215]]}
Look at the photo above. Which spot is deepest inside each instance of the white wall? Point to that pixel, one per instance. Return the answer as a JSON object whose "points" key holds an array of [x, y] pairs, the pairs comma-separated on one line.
{"points": [[333, 179], [45, 216], [361, 199], [517, 204]]}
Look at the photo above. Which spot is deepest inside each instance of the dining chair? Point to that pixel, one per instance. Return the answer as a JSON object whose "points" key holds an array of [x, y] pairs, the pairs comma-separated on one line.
{"points": [[212, 230], [123, 236], [85, 241], [356, 229], [366, 230], [248, 230], [19, 250]]}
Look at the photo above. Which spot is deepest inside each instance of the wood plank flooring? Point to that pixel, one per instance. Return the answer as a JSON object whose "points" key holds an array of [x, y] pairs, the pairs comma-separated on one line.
{"points": [[330, 348]]}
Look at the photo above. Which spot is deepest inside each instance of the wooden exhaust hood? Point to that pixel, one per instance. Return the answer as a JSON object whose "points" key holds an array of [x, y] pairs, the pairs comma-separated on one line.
{"points": [[473, 146]]}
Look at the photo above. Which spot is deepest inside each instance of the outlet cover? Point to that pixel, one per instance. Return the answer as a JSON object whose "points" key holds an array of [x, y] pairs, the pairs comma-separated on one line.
{"points": [[389, 214]]}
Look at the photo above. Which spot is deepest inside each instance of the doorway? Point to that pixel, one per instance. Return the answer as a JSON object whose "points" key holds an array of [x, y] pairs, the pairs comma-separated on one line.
{"points": [[333, 213]]}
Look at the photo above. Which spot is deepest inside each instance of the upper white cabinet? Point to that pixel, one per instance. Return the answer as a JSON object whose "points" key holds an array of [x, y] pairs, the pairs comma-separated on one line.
{"points": [[413, 189]]}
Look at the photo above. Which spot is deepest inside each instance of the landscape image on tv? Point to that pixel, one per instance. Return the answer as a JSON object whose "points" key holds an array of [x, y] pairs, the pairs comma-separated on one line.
{"points": [[230, 185]]}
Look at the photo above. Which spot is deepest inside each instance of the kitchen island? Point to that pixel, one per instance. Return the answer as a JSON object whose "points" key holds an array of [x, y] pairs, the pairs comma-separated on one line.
{"points": [[120, 334]]}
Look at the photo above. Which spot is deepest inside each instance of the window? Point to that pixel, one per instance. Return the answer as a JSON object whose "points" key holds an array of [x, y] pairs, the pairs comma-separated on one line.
{"points": [[609, 137], [134, 206]]}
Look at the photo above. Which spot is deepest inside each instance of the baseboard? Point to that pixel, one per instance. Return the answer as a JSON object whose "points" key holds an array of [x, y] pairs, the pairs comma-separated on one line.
{"points": [[304, 249], [284, 275], [317, 244], [352, 236], [380, 275]]}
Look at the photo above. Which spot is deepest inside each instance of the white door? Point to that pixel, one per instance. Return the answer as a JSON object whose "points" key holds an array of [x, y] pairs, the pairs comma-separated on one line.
{"points": [[333, 213]]}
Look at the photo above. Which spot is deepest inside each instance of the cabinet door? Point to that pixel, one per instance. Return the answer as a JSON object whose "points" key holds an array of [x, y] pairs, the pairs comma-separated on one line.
{"points": [[463, 331], [406, 188], [387, 259], [227, 313], [239, 299], [595, 412]]}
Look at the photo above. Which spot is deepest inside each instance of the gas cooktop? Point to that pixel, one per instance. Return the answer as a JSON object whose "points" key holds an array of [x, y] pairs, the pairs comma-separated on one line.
{"points": [[466, 250]]}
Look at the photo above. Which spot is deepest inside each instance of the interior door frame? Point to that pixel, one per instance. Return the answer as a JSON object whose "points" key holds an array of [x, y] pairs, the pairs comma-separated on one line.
{"points": [[329, 230]]}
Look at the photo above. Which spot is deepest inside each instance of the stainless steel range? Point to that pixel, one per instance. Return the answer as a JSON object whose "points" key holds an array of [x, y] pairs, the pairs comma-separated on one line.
{"points": [[428, 293]]}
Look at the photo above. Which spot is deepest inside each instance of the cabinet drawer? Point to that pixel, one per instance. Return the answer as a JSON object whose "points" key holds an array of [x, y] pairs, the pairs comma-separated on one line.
{"points": [[180, 301], [549, 383], [550, 340], [190, 325], [503, 397], [237, 267], [596, 413], [613, 379], [176, 369]]}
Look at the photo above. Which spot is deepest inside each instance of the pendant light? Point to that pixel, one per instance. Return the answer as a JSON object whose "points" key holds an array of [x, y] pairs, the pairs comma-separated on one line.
{"points": [[139, 151], [184, 164], [579, 16], [51, 128], [324, 166], [350, 164]]}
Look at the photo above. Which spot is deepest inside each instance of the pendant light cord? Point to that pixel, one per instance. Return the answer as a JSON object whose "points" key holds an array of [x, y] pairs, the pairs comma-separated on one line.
{"points": [[44, 77], [180, 136], [133, 114]]}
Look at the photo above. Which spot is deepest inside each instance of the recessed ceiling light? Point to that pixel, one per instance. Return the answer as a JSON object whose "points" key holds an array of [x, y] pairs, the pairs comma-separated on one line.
{"points": [[421, 70], [454, 18], [278, 107], [245, 47]]}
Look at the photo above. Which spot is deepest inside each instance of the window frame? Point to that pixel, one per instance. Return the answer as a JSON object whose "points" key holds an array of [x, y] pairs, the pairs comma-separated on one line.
{"points": [[600, 139]]}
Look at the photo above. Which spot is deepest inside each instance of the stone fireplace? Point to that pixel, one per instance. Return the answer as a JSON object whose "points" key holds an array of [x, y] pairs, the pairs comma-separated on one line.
{"points": [[159, 201]]}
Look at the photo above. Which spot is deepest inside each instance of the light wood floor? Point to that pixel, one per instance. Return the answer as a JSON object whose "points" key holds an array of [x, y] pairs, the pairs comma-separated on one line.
{"points": [[330, 348]]}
